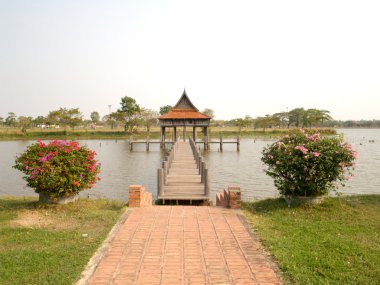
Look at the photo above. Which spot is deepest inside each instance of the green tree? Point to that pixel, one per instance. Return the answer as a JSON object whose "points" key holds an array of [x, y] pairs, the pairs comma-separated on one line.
{"points": [[248, 121], [219, 123], [209, 112], [25, 122], [282, 118], [55, 117], [149, 118], [165, 109], [95, 117], [110, 120], [296, 117], [39, 121], [240, 123], [315, 117], [65, 117], [1, 121], [265, 122], [74, 118], [130, 112], [324, 116], [11, 120]]}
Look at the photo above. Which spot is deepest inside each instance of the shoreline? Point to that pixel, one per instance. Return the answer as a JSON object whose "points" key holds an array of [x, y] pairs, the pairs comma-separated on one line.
{"points": [[215, 133]]}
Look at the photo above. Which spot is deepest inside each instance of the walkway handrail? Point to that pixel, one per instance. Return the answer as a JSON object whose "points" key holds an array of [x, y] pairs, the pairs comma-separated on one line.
{"points": [[162, 173]]}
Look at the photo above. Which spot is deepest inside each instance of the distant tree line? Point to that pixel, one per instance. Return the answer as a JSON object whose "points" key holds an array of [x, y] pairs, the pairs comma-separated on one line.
{"points": [[131, 115], [354, 124], [299, 118]]}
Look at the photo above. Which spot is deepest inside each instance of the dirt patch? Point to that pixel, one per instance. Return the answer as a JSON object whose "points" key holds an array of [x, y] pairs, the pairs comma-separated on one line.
{"points": [[36, 219]]}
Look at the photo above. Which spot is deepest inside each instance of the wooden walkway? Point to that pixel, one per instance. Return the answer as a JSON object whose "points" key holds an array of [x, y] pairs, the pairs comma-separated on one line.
{"points": [[184, 175]]}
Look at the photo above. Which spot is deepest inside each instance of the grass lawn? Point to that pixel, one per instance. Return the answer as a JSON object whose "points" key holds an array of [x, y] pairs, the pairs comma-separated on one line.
{"points": [[51, 244], [337, 242]]}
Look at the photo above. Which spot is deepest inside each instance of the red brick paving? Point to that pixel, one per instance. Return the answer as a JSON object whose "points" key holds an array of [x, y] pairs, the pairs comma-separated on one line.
{"points": [[184, 245]]}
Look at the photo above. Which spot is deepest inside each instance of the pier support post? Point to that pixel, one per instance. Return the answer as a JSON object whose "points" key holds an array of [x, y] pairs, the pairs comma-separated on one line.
{"points": [[207, 182], [184, 133], [165, 170], [221, 144], [162, 137], [175, 134], [130, 143], [203, 168], [160, 188], [238, 144], [205, 135]]}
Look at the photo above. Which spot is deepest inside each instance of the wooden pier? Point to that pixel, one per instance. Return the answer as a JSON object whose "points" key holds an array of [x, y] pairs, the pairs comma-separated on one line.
{"points": [[184, 175], [206, 144], [221, 142], [147, 143]]}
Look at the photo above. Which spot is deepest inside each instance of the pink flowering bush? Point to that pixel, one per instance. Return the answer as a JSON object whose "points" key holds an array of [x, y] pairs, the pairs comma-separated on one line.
{"points": [[305, 164], [59, 168]]}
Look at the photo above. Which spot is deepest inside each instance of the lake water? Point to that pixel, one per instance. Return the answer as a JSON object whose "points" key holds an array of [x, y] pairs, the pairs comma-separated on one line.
{"points": [[121, 167]]}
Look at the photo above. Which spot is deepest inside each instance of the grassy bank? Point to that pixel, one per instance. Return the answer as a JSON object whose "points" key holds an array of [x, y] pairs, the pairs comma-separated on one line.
{"points": [[337, 242], [51, 244], [103, 133]]}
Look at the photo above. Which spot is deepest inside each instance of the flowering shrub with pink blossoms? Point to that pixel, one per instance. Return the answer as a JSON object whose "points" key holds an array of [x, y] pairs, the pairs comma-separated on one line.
{"points": [[306, 164], [58, 168]]}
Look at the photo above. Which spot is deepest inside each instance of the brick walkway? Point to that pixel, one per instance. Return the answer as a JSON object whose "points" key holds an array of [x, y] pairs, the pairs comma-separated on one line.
{"points": [[184, 245]]}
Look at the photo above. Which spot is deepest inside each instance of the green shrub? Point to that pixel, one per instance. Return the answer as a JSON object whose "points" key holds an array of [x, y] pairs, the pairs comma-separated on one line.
{"points": [[59, 168], [304, 164]]}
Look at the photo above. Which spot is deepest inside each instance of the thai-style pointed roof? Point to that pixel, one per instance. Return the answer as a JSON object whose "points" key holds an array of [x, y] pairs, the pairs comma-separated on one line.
{"points": [[184, 103], [184, 109]]}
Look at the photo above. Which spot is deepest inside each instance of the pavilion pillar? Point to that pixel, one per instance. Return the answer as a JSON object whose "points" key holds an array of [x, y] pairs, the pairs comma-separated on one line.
{"points": [[194, 134], [161, 134], [175, 134], [184, 133], [205, 137], [162, 144]]}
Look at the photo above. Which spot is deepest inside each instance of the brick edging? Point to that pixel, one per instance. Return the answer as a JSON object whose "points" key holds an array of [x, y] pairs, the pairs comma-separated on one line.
{"points": [[102, 250], [255, 237]]}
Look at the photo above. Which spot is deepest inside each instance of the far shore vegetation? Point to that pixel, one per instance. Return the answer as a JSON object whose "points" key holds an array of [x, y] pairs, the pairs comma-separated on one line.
{"points": [[51, 244], [337, 242], [131, 119], [142, 134]]}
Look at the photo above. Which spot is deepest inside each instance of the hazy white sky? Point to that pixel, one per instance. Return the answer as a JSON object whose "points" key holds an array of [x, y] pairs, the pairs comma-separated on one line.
{"points": [[236, 57]]}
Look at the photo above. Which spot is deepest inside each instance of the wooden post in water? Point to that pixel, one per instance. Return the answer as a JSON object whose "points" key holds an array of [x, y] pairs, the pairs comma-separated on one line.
{"points": [[207, 182], [160, 181], [203, 167], [130, 143], [238, 144], [161, 137], [147, 143], [221, 144], [165, 171]]}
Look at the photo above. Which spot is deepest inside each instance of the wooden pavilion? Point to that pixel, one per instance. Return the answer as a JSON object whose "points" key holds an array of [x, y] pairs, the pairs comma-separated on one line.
{"points": [[184, 114]]}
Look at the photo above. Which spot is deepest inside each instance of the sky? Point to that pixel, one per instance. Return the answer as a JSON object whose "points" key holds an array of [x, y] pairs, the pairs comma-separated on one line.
{"points": [[236, 57]]}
